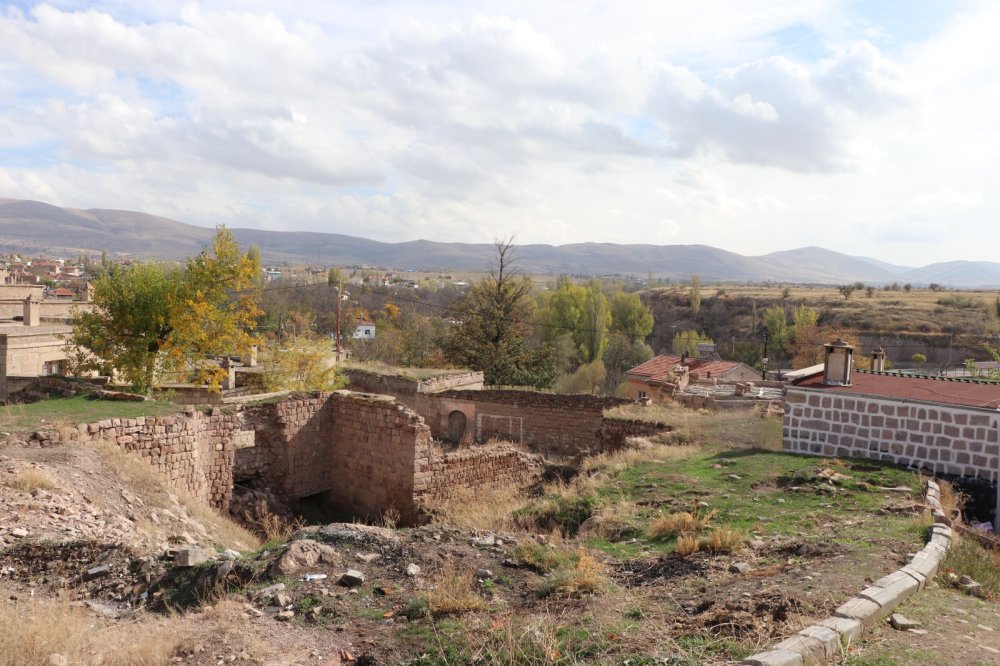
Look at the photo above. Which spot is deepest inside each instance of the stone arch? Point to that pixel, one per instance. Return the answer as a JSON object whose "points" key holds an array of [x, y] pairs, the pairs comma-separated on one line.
{"points": [[456, 426]]}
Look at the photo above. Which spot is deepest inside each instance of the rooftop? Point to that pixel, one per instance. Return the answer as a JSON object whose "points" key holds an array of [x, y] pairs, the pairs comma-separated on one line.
{"points": [[966, 392], [660, 367]]}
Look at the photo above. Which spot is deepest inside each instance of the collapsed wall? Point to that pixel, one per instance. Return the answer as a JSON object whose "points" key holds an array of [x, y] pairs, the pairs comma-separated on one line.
{"points": [[360, 454]]}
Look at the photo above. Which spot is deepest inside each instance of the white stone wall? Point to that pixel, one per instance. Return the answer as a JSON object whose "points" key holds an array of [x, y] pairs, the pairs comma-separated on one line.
{"points": [[955, 440]]}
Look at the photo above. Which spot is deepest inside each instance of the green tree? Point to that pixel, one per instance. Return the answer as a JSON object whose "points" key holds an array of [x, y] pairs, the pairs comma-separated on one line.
{"points": [[588, 378], [776, 324], [216, 309], [597, 319], [494, 333], [146, 319], [687, 342], [582, 311], [621, 355], [303, 363], [129, 324], [695, 293], [919, 359], [629, 316]]}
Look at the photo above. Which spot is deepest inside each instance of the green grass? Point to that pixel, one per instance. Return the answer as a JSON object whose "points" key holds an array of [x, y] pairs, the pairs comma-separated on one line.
{"points": [[76, 409], [758, 490], [967, 557]]}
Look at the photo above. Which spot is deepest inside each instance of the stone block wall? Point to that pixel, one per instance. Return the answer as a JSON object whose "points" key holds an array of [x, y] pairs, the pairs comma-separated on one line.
{"points": [[405, 389], [945, 439], [547, 423], [461, 473], [377, 443], [194, 452]]}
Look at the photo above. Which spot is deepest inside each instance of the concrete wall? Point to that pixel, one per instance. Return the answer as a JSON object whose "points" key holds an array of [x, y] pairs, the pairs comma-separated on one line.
{"points": [[962, 441]]}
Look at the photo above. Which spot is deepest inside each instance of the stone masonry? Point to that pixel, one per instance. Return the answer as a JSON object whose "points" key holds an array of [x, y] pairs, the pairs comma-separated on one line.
{"points": [[946, 439], [365, 454]]}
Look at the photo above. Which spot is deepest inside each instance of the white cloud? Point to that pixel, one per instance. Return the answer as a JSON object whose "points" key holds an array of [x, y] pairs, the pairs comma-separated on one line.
{"points": [[627, 122]]}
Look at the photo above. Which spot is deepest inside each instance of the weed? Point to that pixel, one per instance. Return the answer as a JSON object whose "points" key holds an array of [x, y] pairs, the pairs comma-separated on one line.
{"points": [[967, 557], [541, 558], [453, 592], [490, 510], [390, 518], [584, 575], [686, 545], [682, 522], [724, 540], [416, 608]]}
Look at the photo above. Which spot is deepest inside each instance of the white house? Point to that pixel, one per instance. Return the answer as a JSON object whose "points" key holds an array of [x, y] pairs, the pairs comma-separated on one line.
{"points": [[365, 330]]}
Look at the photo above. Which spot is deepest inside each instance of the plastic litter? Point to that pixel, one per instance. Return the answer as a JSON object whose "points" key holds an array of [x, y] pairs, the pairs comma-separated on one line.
{"points": [[311, 577]]}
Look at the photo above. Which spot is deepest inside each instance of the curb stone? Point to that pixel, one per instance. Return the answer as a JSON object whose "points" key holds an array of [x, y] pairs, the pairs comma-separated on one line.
{"points": [[823, 641]]}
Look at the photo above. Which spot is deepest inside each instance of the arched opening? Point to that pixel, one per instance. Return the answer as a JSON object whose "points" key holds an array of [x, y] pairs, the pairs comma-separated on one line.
{"points": [[456, 426]]}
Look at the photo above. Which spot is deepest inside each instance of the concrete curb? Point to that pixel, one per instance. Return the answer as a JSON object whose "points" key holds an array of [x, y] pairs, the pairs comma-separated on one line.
{"points": [[823, 641]]}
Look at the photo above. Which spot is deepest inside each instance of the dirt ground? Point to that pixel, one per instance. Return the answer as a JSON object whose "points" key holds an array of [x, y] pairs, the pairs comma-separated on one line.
{"points": [[961, 630]]}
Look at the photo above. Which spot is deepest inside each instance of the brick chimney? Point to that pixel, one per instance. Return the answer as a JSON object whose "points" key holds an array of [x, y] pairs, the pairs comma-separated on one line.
{"points": [[32, 311], [838, 362], [878, 360]]}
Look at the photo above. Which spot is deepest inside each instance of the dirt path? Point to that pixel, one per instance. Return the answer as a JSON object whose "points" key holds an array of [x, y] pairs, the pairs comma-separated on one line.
{"points": [[961, 631]]}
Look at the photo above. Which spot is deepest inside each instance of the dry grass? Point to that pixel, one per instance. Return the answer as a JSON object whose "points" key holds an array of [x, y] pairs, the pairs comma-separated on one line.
{"points": [[272, 527], [617, 461], [585, 575], [680, 523], [952, 500], [491, 510], [724, 540], [647, 413], [613, 523], [35, 631], [33, 479], [687, 545], [150, 485], [453, 592]]}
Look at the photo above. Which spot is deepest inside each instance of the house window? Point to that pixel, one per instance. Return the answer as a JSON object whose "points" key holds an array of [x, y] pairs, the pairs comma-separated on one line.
{"points": [[642, 395]]}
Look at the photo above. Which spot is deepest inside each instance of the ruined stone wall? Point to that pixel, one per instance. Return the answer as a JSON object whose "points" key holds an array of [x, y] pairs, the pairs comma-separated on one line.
{"points": [[405, 389], [963, 441], [465, 472], [376, 445], [551, 424], [194, 452]]}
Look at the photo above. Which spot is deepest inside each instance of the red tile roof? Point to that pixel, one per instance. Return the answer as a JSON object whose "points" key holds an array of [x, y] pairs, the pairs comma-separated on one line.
{"points": [[968, 393], [660, 368]]}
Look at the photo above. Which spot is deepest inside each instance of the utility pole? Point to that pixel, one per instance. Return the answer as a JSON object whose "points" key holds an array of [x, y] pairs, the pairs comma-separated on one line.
{"points": [[763, 365]]}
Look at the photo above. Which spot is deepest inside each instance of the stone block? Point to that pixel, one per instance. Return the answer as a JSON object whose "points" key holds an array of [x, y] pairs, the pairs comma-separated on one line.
{"points": [[848, 629], [191, 557], [865, 611], [774, 658], [890, 596], [828, 640]]}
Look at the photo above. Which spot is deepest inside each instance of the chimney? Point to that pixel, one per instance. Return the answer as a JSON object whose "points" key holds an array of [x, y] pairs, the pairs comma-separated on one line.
{"points": [[878, 360], [32, 311], [837, 363]]}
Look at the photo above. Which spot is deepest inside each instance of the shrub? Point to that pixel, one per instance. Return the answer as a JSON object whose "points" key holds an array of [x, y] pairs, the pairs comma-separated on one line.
{"points": [[564, 507]]}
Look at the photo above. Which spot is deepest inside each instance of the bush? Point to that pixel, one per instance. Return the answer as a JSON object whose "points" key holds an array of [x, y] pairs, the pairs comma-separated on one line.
{"points": [[686, 545], [724, 540], [563, 507]]}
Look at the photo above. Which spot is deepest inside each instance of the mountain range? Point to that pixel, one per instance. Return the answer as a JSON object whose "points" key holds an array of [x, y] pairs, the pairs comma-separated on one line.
{"points": [[38, 228]]}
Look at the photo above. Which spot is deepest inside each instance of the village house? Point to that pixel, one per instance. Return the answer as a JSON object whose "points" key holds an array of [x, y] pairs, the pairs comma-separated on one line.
{"points": [[667, 374], [30, 349], [942, 424], [365, 330]]}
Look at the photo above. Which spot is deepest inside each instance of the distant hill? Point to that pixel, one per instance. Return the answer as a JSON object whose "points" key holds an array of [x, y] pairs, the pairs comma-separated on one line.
{"points": [[39, 228]]}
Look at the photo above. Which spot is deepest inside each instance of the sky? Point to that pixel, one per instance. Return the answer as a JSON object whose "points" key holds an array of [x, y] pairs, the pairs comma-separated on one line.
{"points": [[752, 125]]}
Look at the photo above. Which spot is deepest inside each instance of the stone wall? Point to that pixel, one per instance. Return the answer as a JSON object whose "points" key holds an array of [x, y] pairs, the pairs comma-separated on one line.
{"points": [[946, 439], [363, 454], [465, 472], [405, 389], [377, 445], [547, 423], [193, 452]]}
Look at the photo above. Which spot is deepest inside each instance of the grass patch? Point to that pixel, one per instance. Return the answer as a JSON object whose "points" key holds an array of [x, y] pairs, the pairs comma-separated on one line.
{"points": [[562, 507], [453, 592], [33, 479], [969, 558], [540, 557], [492, 510], [682, 522], [81, 408], [582, 574], [36, 630]]}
